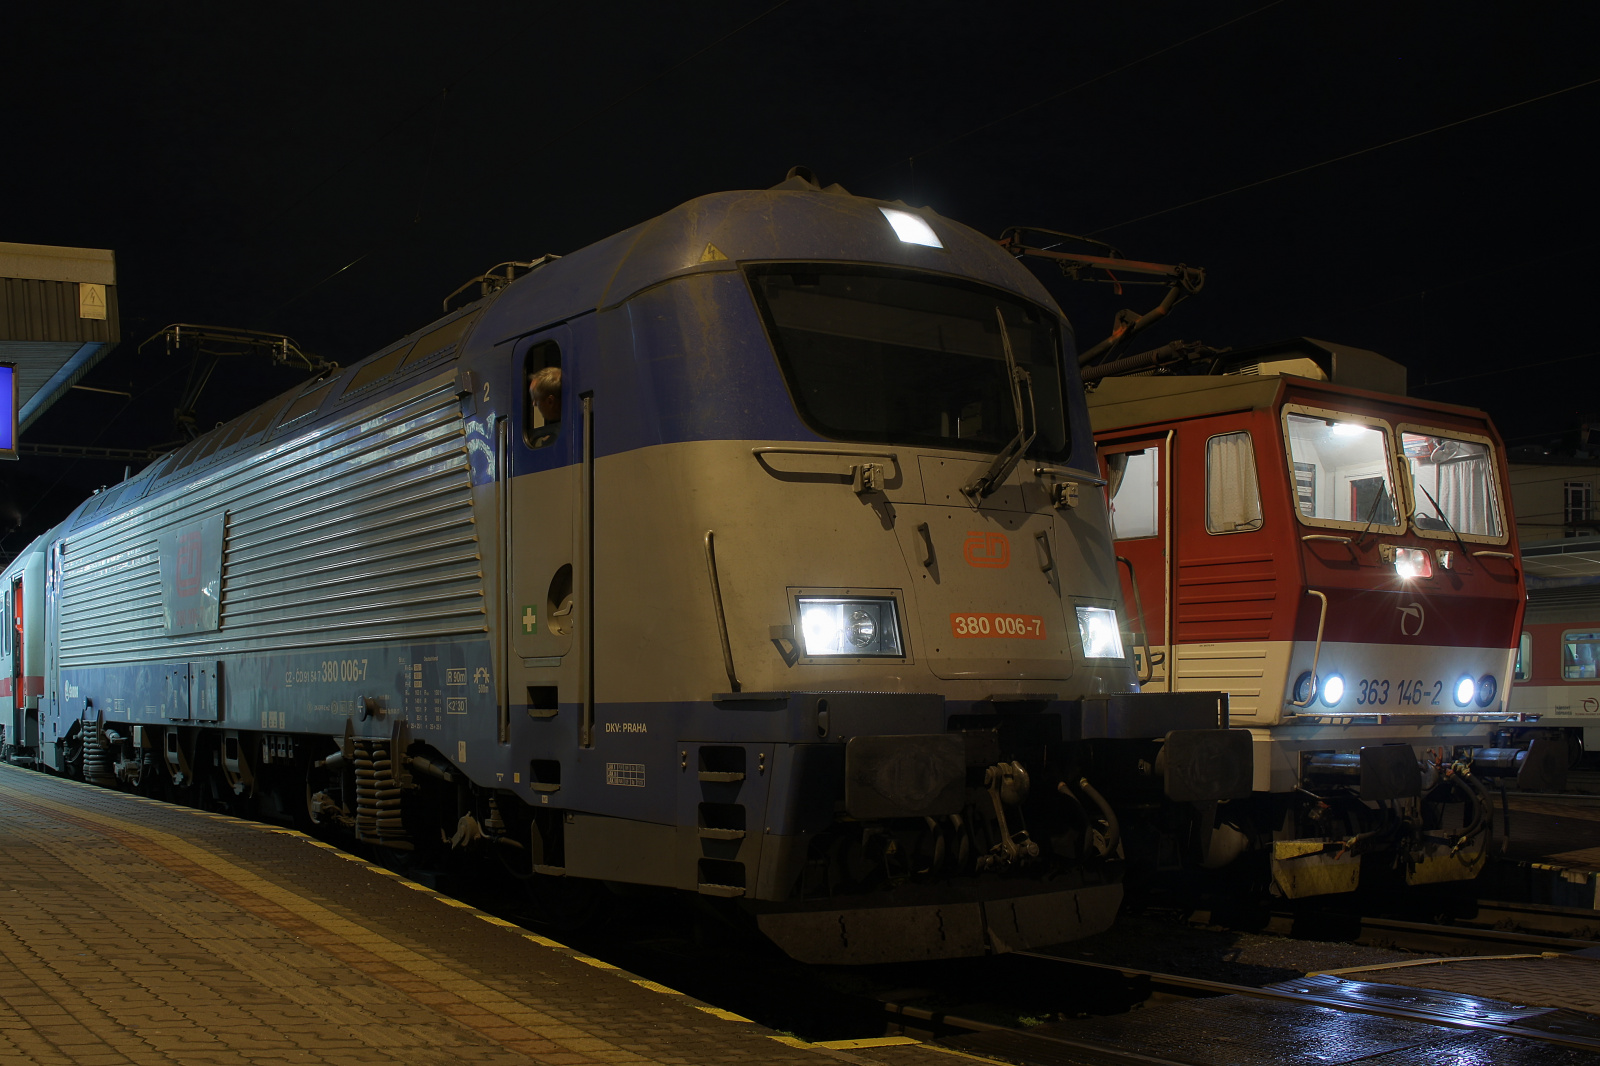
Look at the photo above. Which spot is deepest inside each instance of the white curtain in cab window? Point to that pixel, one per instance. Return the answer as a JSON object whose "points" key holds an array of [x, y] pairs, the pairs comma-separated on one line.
{"points": [[1134, 502], [1233, 495], [1459, 475]]}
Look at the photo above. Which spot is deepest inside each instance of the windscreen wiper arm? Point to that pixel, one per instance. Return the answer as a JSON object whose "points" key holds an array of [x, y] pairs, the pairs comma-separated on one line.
{"points": [[1440, 511], [1006, 460]]}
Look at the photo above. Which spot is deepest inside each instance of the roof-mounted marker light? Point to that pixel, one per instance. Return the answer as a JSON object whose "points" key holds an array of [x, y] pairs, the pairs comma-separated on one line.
{"points": [[910, 228]]}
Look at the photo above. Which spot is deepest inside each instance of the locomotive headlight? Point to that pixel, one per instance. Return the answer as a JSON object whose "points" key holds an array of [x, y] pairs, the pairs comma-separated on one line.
{"points": [[1412, 562], [1466, 688], [1101, 637], [1305, 686], [849, 627], [1487, 687], [913, 229], [1333, 690]]}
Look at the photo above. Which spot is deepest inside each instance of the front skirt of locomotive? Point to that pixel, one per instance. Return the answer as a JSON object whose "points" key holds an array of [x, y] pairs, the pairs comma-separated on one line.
{"points": [[998, 835], [956, 920]]}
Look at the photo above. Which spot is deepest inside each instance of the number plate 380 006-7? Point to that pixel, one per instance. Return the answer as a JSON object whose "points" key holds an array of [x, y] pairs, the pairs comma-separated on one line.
{"points": [[988, 624]]}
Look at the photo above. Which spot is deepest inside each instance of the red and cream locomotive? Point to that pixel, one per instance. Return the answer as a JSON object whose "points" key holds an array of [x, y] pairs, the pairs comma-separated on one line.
{"points": [[1293, 529]]}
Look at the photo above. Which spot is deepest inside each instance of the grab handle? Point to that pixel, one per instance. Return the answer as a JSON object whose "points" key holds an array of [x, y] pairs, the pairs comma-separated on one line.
{"points": [[1148, 669], [1322, 618], [1335, 540]]}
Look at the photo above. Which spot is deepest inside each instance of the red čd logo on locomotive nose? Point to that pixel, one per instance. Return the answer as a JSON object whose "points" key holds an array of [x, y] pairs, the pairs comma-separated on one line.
{"points": [[190, 557], [991, 550], [1411, 619]]}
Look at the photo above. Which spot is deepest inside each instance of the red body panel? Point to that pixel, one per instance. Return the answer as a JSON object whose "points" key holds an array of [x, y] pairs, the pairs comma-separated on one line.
{"points": [[1251, 585]]}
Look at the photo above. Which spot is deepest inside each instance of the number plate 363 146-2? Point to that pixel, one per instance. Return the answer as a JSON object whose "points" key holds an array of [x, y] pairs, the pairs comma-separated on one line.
{"points": [[1381, 692], [987, 624]]}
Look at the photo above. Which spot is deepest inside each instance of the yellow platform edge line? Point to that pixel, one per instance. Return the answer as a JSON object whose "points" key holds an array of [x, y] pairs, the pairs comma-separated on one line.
{"points": [[493, 920], [728, 1015], [866, 1041], [655, 986]]}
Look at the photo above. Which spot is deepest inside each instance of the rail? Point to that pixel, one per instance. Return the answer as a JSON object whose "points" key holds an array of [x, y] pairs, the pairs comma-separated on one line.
{"points": [[1316, 651], [1324, 990]]}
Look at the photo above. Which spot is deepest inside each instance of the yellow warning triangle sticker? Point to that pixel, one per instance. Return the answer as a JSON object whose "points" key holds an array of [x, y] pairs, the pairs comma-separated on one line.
{"points": [[712, 254]]}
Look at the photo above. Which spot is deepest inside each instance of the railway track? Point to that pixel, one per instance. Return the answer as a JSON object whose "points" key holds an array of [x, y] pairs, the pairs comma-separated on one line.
{"points": [[1058, 1042], [1495, 927]]}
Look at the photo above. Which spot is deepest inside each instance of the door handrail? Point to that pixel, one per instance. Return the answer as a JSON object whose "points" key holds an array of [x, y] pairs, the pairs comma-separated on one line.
{"points": [[1322, 618], [1138, 606]]}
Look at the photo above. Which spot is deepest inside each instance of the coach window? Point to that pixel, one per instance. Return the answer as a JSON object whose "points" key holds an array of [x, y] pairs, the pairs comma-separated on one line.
{"points": [[1524, 667], [1580, 652], [1135, 490], [537, 430], [1233, 494]]}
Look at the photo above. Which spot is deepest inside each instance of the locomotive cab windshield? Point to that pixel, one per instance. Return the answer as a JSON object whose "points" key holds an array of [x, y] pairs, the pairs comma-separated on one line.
{"points": [[907, 358]]}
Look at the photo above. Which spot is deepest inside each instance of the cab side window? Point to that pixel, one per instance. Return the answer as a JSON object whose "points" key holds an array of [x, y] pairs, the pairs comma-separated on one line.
{"points": [[1524, 667], [541, 395], [1135, 493], [1233, 493]]}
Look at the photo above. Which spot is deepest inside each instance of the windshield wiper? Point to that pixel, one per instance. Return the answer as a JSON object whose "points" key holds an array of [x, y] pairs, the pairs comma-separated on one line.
{"points": [[1440, 512], [1006, 460], [1372, 512]]}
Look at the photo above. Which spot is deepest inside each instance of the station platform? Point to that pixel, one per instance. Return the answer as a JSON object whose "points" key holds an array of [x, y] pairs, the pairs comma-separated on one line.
{"points": [[136, 932]]}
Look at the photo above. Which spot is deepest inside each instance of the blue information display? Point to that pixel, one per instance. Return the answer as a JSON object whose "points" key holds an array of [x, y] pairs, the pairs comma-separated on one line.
{"points": [[8, 411]]}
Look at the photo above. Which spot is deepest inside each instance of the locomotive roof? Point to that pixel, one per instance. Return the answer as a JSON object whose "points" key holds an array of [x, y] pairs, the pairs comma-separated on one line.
{"points": [[795, 220], [792, 221], [1146, 400]]}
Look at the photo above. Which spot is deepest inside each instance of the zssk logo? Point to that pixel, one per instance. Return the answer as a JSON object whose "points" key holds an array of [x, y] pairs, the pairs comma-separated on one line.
{"points": [[1411, 619], [988, 550]]}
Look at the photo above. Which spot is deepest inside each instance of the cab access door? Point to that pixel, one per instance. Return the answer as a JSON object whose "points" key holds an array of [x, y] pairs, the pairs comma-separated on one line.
{"points": [[544, 604], [1138, 471]]}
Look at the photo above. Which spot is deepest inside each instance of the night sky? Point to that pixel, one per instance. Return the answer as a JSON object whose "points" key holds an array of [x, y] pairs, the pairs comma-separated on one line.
{"points": [[333, 170]]}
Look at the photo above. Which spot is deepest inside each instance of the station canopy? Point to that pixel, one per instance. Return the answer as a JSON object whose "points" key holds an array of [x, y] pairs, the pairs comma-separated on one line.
{"points": [[58, 318]]}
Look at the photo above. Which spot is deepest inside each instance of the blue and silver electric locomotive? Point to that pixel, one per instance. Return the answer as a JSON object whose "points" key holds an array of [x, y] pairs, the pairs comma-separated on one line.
{"points": [[800, 593]]}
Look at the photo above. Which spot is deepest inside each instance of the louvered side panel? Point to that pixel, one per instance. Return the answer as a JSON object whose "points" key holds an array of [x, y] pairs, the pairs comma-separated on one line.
{"points": [[361, 532], [1226, 599], [110, 597]]}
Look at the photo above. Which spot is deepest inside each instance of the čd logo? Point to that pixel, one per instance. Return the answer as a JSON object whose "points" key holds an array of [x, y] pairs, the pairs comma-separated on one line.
{"points": [[987, 550]]}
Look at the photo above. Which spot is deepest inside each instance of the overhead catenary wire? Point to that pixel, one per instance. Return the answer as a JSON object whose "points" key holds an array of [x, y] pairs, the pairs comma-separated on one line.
{"points": [[912, 157], [1516, 368], [1347, 155]]}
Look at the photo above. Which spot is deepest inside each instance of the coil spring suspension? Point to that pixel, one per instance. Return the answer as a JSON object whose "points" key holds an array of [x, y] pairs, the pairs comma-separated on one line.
{"points": [[378, 818], [96, 770]]}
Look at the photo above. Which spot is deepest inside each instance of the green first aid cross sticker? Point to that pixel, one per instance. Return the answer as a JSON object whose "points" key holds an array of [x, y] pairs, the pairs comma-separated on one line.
{"points": [[530, 620]]}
